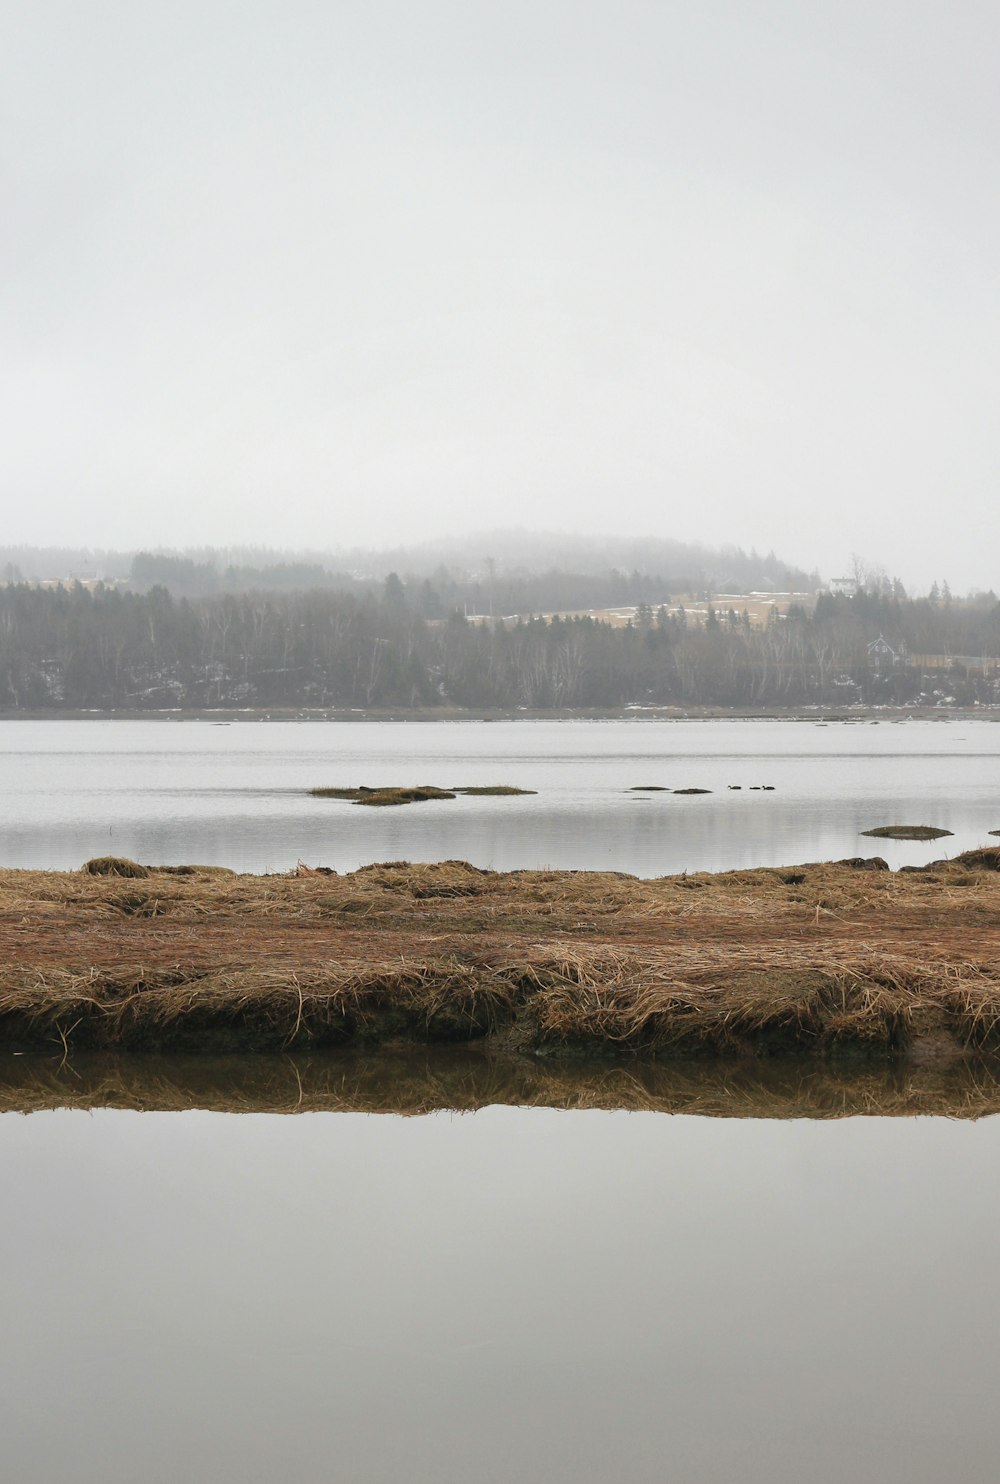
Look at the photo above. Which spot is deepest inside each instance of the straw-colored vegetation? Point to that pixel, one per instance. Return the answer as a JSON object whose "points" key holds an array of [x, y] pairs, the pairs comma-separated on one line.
{"points": [[820, 957], [907, 832], [380, 798], [495, 791]]}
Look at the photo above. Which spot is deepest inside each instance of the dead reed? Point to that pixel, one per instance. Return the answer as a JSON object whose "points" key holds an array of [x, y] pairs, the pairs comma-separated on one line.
{"points": [[824, 958]]}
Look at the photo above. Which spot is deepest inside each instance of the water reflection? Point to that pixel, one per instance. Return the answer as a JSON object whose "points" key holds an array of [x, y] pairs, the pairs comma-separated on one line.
{"points": [[529, 1294], [411, 1081]]}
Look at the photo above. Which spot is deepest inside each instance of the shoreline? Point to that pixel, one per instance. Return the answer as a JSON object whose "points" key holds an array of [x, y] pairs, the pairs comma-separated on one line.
{"points": [[831, 960], [229, 716]]}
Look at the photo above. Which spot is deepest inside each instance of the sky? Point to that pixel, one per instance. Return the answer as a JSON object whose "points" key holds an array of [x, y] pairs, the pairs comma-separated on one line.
{"points": [[351, 272]]}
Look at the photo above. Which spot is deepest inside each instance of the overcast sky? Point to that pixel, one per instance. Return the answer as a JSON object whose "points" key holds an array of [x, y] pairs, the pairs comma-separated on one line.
{"points": [[360, 270]]}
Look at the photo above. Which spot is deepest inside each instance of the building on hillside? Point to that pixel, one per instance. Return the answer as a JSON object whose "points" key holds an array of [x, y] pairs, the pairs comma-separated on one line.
{"points": [[883, 656], [977, 664]]}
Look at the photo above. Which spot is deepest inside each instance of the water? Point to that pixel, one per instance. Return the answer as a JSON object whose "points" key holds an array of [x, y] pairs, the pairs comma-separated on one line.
{"points": [[519, 1291], [515, 1293], [237, 795]]}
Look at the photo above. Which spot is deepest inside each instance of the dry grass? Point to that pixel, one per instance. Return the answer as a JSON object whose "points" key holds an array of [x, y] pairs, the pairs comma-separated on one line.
{"points": [[382, 798], [907, 832], [379, 798], [818, 957], [496, 791]]}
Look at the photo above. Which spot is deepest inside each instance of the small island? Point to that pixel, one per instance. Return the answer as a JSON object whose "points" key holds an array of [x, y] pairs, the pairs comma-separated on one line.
{"points": [[380, 798]]}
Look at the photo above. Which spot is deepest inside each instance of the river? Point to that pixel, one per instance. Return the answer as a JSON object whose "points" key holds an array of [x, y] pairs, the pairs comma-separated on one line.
{"points": [[237, 794]]}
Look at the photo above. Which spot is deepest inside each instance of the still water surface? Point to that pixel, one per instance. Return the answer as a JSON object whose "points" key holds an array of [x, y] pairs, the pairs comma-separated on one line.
{"points": [[237, 795], [511, 1294], [520, 1292]]}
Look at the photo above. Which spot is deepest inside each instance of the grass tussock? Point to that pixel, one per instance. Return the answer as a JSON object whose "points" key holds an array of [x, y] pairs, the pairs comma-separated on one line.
{"points": [[115, 865], [496, 791], [977, 860], [822, 958], [907, 832], [379, 798], [382, 798]]}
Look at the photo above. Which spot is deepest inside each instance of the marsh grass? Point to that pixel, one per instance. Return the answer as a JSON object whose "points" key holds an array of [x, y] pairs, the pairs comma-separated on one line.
{"points": [[495, 791], [822, 958], [380, 798], [907, 832]]}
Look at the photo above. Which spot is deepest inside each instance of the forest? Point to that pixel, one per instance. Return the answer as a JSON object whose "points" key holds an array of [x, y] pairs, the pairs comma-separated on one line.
{"points": [[74, 648]]}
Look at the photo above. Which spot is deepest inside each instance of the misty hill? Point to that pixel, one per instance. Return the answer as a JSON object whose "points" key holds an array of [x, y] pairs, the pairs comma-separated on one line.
{"points": [[685, 566], [505, 571]]}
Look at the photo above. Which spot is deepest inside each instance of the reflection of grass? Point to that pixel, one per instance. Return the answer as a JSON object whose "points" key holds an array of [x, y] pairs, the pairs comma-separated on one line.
{"points": [[907, 832], [420, 1080]]}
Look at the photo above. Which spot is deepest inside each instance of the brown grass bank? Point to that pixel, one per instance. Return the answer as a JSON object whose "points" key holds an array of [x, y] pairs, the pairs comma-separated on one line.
{"points": [[818, 958]]}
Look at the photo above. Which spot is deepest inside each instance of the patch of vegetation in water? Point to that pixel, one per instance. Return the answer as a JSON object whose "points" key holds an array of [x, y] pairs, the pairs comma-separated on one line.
{"points": [[649, 788], [907, 832], [380, 798], [692, 790], [495, 791]]}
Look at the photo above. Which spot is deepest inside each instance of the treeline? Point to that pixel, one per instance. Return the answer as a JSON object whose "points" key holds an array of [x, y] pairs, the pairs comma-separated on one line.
{"points": [[73, 648]]}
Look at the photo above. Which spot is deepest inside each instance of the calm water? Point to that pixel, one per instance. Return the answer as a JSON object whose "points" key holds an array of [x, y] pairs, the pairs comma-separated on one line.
{"points": [[519, 1292], [511, 1294], [237, 794]]}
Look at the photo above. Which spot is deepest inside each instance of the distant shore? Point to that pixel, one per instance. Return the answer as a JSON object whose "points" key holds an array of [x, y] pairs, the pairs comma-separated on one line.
{"points": [[227, 715], [828, 959]]}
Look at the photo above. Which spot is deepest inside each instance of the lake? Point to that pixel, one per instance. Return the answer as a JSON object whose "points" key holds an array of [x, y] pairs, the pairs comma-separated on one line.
{"points": [[567, 1294], [516, 1293], [236, 794]]}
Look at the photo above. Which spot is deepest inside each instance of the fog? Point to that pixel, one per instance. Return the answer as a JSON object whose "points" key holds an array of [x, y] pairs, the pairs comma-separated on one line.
{"points": [[328, 276]]}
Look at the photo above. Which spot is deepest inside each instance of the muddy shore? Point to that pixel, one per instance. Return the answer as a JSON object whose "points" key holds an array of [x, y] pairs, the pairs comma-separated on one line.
{"points": [[823, 959]]}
